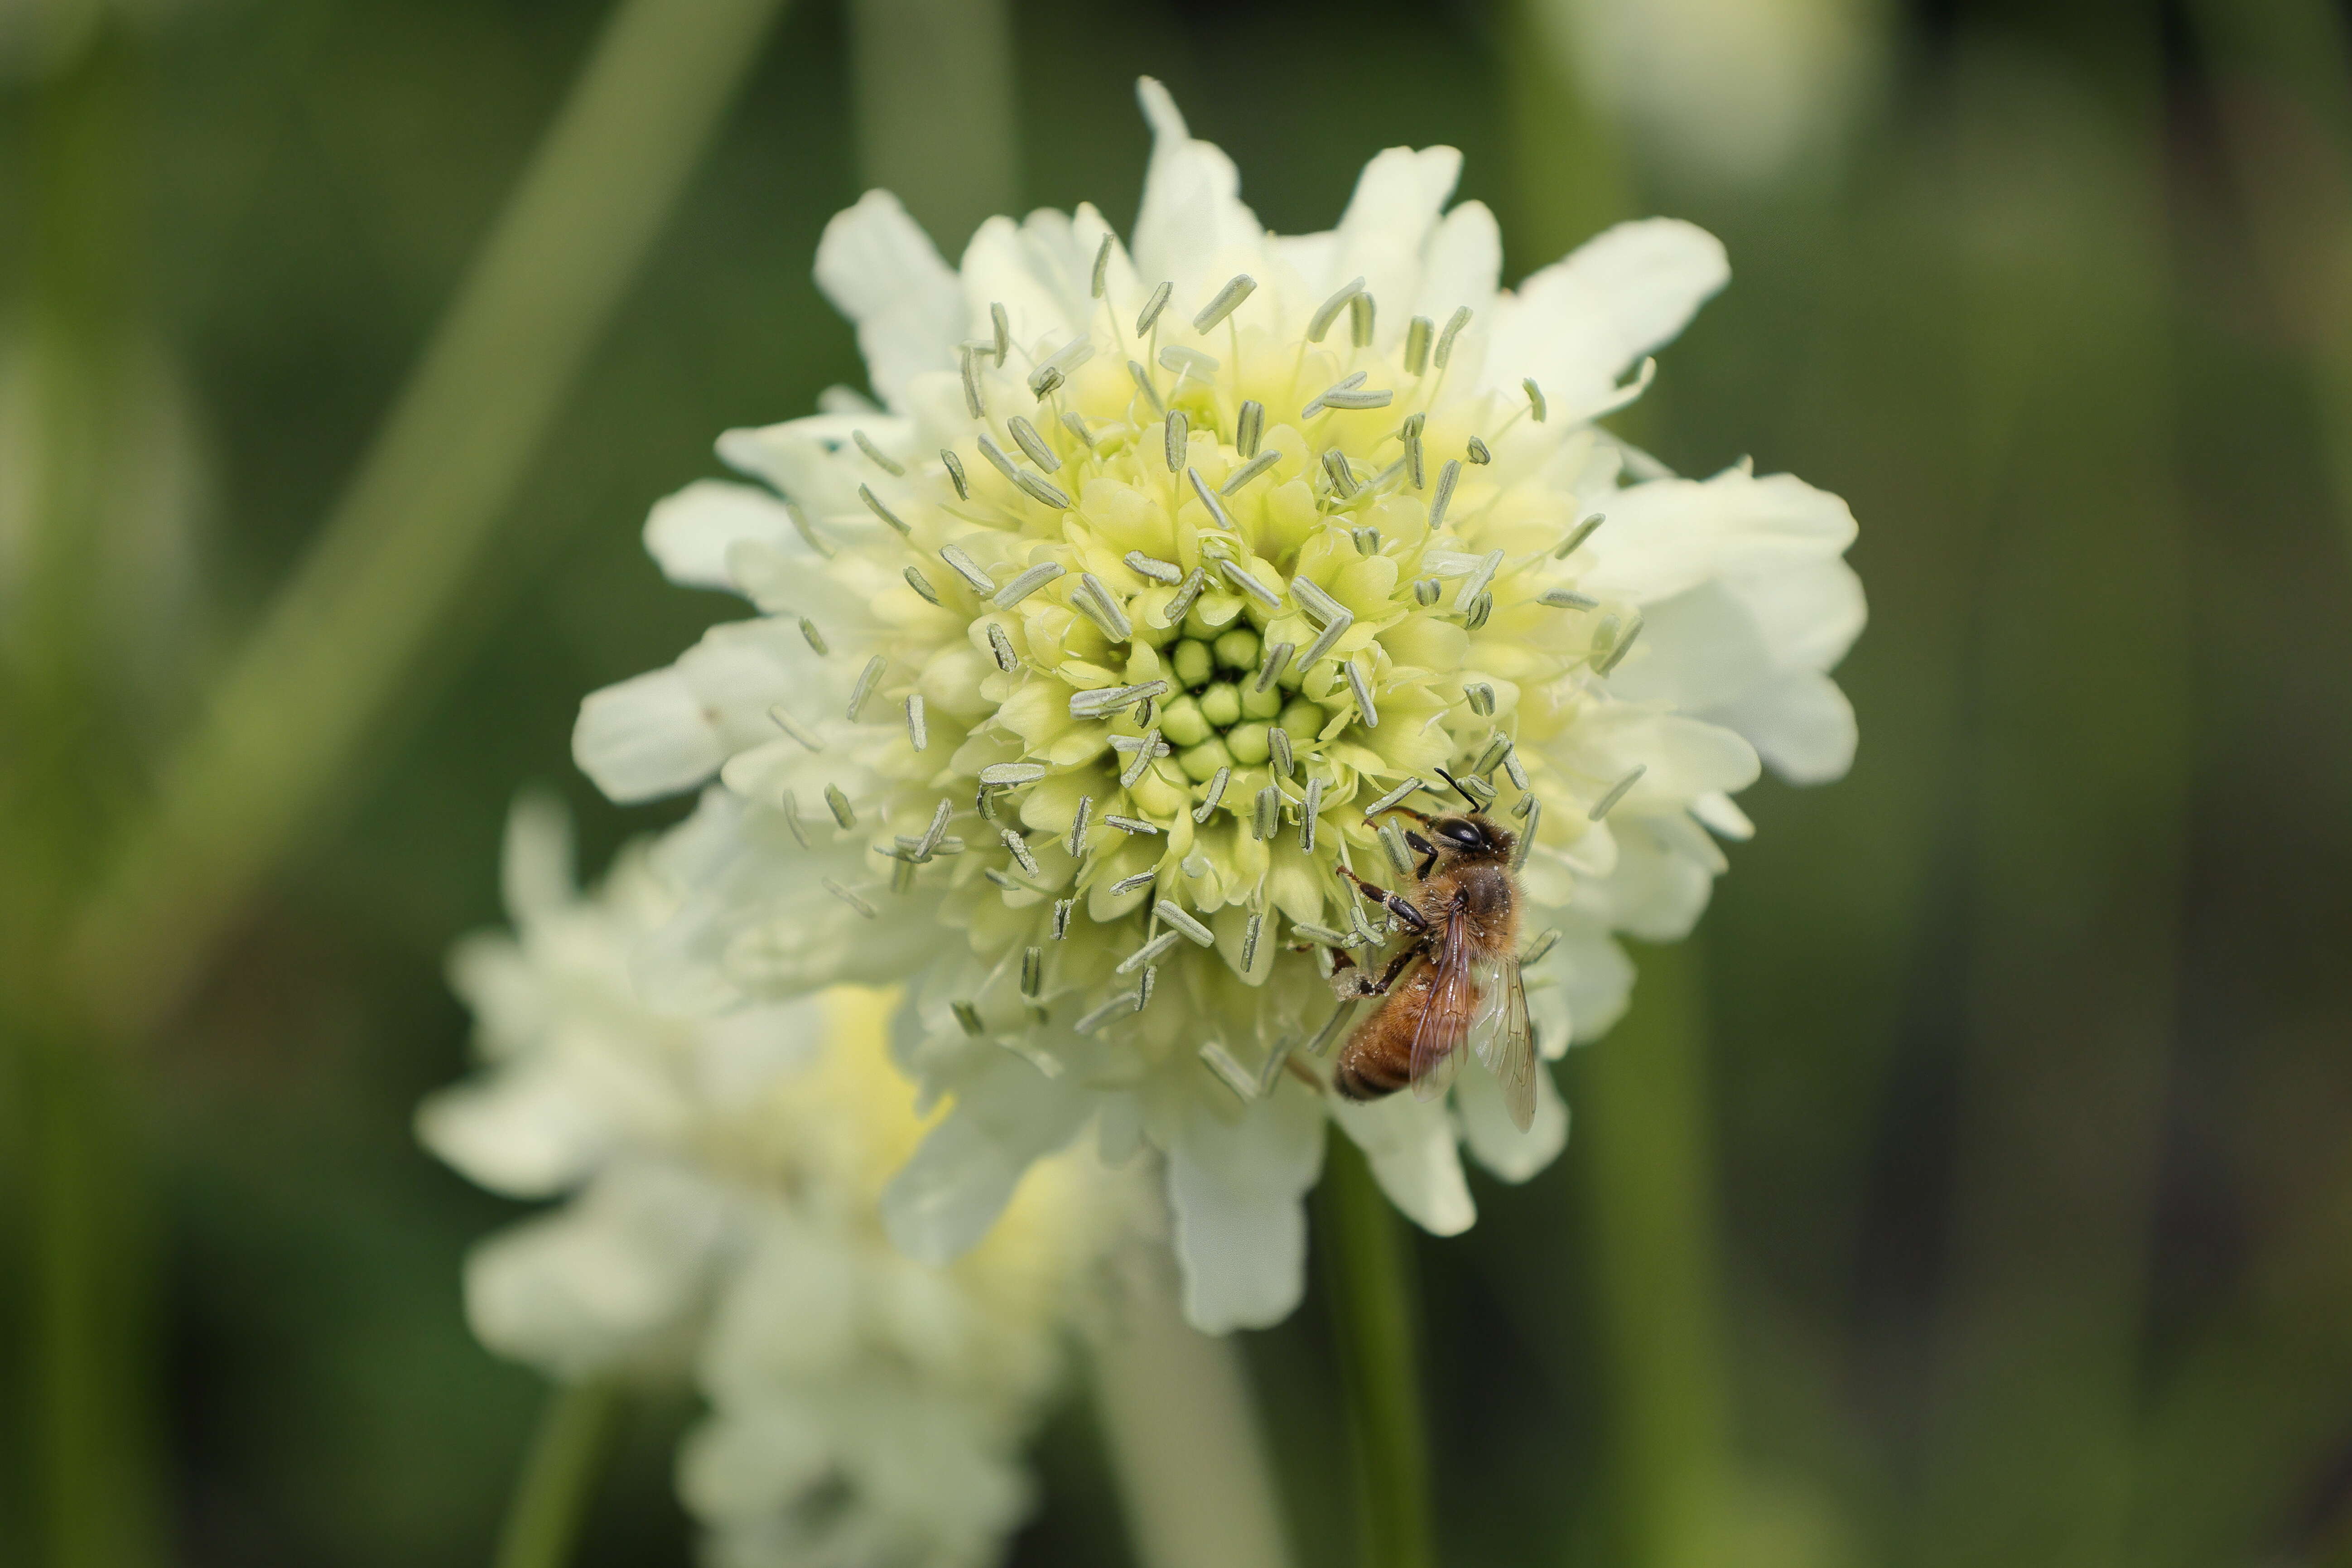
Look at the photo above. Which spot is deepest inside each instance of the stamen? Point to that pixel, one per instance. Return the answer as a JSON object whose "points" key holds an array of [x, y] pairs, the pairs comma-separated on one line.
{"points": [[1217, 782], [973, 403], [1513, 766], [865, 687], [996, 453], [1424, 591], [1026, 584], [1270, 670], [1143, 992], [1227, 301], [1231, 1073], [1447, 478], [815, 637], [1363, 691], [875, 505], [1187, 362], [1482, 699], [936, 831], [795, 728], [1129, 884], [967, 1017], [1011, 773], [1478, 452], [838, 804], [1332, 632], [1360, 319], [1562, 599], [1496, 750], [1143, 384], [1617, 792], [1310, 814], [1268, 815], [1153, 747], [1475, 584], [1077, 427], [1454, 325], [1625, 646], [882, 459], [1248, 584], [1526, 804], [1078, 825], [1277, 740], [955, 474], [1329, 311], [1188, 591], [1416, 463], [965, 567], [1118, 1004], [847, 897], [1416, 345], [1330, 1030], [1527, 833], [1249, 940], [1020, 848], [1379, 397], [1577, 535], [1182, 920], [1249, 427], [921, 585], [1102, 267], [1002, 647], [1042, 455], [1002, 327], [1536, 404], [1109, 699], [1041, 491], [1343, 476], [1217, 513], [917, 731], [1393, 841], [1134, 825], [1480, 608], [1061, 917], [1174, 434], [1479, 790], [1315, 600], [1249, 470], [1326, 935], [1101, 607], [1368, 540], [1151, 566], [1152, 307], [1347, 383], [1392, 797], [1033, 971], [791, 810]]}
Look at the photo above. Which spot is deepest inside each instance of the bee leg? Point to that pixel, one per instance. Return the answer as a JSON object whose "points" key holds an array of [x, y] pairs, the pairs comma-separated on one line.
{"points": [[1400, 908], [1397, 966]]}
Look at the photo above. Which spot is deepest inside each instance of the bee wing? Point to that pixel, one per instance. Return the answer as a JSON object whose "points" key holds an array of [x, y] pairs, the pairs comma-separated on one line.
{"points": [[1446, 1021], [1500, 1035]]}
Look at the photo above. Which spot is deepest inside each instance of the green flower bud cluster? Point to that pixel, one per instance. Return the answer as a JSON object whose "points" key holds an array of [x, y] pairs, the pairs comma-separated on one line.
{"points": [[1221, 718]]}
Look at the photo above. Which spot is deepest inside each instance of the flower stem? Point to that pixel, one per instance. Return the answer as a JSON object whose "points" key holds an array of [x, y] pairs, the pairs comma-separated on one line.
{"points": [[559, 1476], [1183, 1435], [314, 684], [1367, 1275]]}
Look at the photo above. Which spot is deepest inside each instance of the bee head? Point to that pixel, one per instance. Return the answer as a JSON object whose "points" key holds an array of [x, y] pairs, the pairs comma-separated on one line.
{"points": [[1471, 837]]}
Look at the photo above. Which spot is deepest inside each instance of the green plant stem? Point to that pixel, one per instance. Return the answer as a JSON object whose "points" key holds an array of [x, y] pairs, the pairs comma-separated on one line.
{"points": [[274, 747], [1648, 1180], [559, 1476], [1182, 1433], [1369, 1277], [921, 65]]}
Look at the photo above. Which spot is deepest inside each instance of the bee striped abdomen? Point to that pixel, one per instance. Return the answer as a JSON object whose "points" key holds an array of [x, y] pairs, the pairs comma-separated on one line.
{"points": [[1378, 1060]]}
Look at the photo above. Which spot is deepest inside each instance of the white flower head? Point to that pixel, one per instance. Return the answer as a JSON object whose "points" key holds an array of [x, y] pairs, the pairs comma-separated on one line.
{"points": [[721, 1179], [1081, 665]]}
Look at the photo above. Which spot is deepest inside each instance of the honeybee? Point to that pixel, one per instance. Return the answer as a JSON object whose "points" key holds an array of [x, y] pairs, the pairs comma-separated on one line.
{"points": [[1459, 968]]}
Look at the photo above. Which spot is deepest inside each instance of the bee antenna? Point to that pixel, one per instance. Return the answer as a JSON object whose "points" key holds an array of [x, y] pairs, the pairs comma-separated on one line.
{"points": [[1464, 794]]}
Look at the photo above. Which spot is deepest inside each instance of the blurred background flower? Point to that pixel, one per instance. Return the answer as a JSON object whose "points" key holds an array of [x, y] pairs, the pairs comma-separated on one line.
{"points": [[1975, 1190]]}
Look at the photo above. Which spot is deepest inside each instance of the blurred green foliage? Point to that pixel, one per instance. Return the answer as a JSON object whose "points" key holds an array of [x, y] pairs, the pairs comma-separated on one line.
{"points": [[1975, 1192]]}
